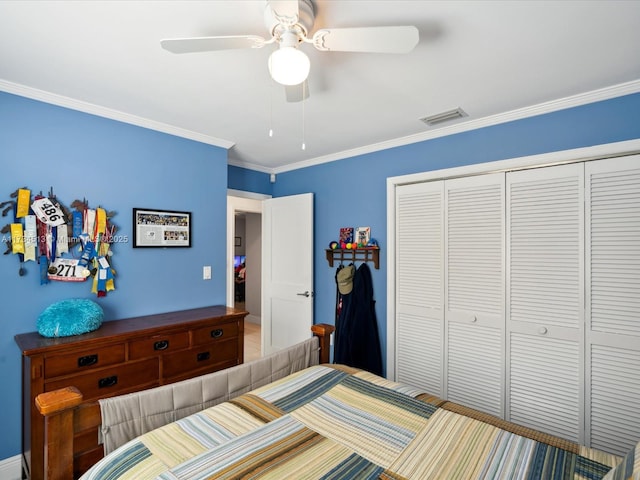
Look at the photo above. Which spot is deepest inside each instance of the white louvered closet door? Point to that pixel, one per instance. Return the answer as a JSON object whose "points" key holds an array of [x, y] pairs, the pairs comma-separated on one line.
{"points": [[545, 295], [613, 303], [419, 277], [474, 291]]}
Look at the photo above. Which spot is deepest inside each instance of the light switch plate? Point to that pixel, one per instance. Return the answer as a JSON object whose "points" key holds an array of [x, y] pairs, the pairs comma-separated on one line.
{"points": [[206, 272]]}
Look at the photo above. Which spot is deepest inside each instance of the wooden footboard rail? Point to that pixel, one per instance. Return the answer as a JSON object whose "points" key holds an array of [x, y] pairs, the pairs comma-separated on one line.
{"points": [[323, 331], [58, 407]]}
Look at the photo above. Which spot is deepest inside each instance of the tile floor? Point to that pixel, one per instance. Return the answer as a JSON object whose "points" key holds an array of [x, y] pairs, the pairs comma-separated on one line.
{"points": [[252, 337], [251, 341]]}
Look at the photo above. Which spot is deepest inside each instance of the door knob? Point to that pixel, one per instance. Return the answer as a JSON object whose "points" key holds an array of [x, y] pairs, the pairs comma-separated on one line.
{"points": [[304, 294]]}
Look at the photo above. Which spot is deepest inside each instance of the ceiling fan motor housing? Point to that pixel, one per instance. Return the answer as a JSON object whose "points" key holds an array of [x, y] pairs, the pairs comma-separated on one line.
{"points": [[303, 24]]}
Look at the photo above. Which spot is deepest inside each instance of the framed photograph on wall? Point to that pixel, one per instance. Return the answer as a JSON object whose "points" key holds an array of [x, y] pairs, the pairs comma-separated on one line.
{"points": [[161, 228]]}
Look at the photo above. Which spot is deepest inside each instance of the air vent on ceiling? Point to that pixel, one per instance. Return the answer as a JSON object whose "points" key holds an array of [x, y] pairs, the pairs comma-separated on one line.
{"points": [[444, 117]]}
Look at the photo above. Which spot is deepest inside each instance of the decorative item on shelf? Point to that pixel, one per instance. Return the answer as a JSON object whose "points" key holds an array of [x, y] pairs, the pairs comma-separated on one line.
{"points": [[346, 237], [69, 246], [333, 245], [363, 234]]}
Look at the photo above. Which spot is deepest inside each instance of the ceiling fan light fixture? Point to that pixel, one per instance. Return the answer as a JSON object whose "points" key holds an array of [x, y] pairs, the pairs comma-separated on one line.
{"points": [[289, 66]]}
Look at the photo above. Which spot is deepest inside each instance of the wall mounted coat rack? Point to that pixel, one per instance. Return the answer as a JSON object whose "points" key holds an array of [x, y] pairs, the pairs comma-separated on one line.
{"points": [[354, 255]]}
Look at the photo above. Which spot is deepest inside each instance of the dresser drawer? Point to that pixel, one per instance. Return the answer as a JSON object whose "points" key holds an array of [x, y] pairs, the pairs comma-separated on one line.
{"points": [[200, 357], [220, 332], [158, 344], [83, 360], [111, 381]]}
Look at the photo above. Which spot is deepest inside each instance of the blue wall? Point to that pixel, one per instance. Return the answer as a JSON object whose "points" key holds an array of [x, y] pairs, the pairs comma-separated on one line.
{"points": [[119, 167], [352, 192], [249, 180]]}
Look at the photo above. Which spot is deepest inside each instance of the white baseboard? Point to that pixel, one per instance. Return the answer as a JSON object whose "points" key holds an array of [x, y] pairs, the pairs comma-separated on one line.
{"points": [[11, 468]]}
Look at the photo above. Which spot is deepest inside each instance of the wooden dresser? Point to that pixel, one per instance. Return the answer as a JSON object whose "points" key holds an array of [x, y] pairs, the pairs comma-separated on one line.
{"points": [[122, 356]]}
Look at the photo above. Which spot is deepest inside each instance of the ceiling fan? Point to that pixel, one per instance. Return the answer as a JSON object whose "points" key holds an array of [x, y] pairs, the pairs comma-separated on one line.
{"points": [[289, 22]]}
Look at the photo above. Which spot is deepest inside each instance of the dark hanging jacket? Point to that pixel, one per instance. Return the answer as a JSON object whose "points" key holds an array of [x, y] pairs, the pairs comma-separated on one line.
{"points": [[357, 337]]}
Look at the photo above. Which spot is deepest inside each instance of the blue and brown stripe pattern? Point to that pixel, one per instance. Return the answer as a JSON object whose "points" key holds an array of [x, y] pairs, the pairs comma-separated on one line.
{"points": [[340, 423], [629, 467]]}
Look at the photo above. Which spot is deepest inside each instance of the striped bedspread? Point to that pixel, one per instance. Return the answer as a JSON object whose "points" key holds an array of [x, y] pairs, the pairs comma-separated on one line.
{"points": [[336, 422]]}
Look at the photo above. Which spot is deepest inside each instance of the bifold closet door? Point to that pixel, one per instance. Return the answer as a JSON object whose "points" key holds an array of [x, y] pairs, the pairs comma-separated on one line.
{"points": [[518, 294], [545, 298], [474, 291], [419, 286], [613, 303]]}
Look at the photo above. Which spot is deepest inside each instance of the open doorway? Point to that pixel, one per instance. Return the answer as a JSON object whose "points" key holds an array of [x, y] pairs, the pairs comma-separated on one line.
{"points": [[245, 268], [247, 263]]}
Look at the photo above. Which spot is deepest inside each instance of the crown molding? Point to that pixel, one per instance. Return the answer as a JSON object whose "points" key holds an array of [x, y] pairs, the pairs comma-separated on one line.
{"points": [[518, 114], [250, 166], [86, 107]]}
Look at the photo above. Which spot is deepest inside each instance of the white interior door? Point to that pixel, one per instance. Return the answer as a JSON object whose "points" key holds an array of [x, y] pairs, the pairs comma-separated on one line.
{"points": [[287, 271]]}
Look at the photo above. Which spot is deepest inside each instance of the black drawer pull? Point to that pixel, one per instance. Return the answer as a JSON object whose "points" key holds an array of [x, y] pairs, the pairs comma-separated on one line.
{"points": [[108, 381], [203, 356], [88, 360], [217, 333], [161, 345]]}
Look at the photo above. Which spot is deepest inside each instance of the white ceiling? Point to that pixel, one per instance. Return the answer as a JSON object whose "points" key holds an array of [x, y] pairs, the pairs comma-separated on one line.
{"points": [[489, 58]]}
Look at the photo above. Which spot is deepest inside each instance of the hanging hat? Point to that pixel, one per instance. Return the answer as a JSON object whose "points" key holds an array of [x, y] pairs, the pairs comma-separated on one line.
{"points": [[344, 278]]}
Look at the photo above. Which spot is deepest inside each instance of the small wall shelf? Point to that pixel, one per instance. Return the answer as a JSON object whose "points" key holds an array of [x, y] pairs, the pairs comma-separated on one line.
{"points": [[354, 255]]}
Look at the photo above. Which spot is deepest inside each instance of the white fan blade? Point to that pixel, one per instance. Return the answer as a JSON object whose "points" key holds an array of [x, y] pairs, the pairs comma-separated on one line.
{"points": [[297, 93], [285, 11], [208, 44], [367, 39]]}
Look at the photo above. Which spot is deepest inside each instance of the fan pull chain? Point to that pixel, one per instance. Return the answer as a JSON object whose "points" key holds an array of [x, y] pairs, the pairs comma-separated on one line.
{"points": [[304, 85], [271, 110]]}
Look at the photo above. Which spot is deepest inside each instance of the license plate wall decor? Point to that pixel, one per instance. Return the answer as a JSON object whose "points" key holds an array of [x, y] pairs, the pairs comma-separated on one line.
{"points": [[68, 245]]}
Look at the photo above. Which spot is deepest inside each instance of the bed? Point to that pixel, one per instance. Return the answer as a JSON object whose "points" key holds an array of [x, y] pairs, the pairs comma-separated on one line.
{"points": [[334, 421]]}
